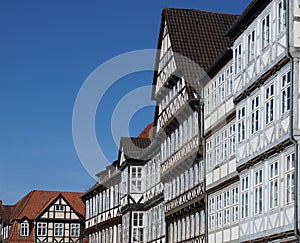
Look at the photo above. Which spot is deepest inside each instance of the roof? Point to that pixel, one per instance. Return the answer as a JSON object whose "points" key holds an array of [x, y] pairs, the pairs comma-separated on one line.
{"points": [[247, 17], [6, 212], [134, 148], [36, 201], [197, 35], [147, 132]]}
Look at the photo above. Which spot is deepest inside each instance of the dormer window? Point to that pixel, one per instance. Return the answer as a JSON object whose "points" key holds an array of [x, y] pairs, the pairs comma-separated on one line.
{"points": [[60, 208], [24, 229]]}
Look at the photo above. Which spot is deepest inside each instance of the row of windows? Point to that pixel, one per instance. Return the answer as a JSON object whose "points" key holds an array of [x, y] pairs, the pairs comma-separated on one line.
{"points": [[188, 227], [152, 172], [42, 229], [223, 208], [184, 182], [184, 133], [155, 223], [111, 234], [265, 104], [265, 28], [103, 201], [273, 184], [221, 146], [171, 93], [216, 92]]}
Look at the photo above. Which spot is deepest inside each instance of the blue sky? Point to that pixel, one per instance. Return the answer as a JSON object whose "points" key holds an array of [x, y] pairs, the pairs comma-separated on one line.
{"points": [[48, 48]]}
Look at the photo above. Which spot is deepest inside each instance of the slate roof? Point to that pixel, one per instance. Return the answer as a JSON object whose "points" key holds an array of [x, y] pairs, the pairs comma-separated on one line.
{"points": [[134, 148], [197, 35]]}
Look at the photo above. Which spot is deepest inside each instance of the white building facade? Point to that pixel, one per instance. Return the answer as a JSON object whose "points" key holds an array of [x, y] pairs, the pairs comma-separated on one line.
{"points": [[222, 162]]}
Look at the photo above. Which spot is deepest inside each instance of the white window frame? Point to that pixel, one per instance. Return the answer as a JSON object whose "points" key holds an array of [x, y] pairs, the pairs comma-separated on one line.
{"points": [[285, 92], [60, 208], [24, 229], [136, 175], [255, 114], [281, 16], [241, 124], [274, 184], [245, 197], [235, 204], [59, 229], [41, 229], [238, 58], [251, 46], [269, 103], [75, 230], [137, 227], [266, 31], [232, 141], [258, 191], [290, 178], [226, 200]]}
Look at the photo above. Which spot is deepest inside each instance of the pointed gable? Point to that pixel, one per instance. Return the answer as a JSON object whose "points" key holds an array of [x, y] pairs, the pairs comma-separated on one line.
{"points": [[197, 38], [34, 202]]}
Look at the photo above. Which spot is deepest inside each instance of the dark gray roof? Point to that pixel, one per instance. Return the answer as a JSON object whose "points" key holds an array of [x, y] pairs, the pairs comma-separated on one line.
{"points": [[134, 148], [197, 35]]}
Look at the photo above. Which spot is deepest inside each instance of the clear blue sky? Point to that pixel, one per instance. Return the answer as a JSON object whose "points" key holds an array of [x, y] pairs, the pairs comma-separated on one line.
{"points": [[47, 50]]}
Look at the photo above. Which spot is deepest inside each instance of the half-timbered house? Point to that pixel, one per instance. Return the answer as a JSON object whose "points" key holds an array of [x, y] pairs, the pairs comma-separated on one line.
{"points": [[188, 47], [266, 94], [44, 216], [222, 184], [102, 206]]}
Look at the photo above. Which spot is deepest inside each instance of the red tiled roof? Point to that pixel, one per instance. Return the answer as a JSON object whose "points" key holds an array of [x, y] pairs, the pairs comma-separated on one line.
{"points": [[147, 132], [36, 201], [31, 206]]}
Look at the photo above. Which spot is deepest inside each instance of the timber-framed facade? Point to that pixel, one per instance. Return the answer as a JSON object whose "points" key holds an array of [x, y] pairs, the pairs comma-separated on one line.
{"points": [[221, 162]]}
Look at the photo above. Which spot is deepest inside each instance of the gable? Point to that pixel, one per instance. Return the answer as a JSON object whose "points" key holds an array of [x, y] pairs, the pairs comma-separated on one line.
{"points": [[59, 209]]}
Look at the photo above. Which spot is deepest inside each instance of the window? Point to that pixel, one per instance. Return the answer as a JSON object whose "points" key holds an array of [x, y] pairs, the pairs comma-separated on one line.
{"points": [[290, 177], [224, 145], [232, 140], [24, 229], [226, 208], [274, 184], [269, 104], [265, 29], [59, 208], [285, 92], [255, 114], [251, 46], [245, 197], [219, 207], [217, 145], [241, 122], [75, 230], [137, 234], [136, 179], [258, 192], [41, 229], [58, 229], [211, 212], [229, 81], [235, 204], [238, 58], [209, 154], [281, 16]]}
